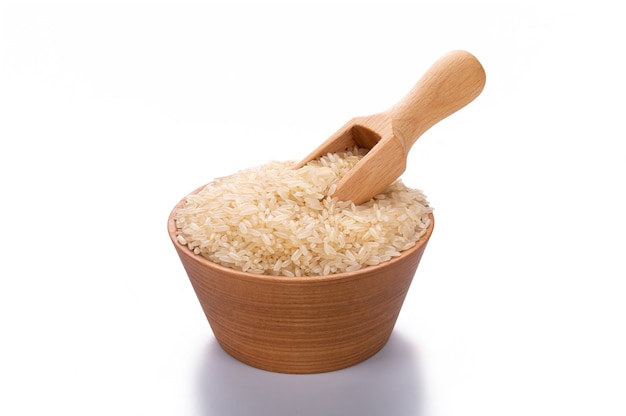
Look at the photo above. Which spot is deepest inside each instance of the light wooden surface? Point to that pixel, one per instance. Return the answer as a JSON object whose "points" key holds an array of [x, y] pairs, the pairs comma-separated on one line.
{"points": [[301, 324], [451, 83]]}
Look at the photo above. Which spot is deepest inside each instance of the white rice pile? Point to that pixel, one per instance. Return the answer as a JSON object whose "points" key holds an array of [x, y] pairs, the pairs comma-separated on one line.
{"points": [[278, 220]]}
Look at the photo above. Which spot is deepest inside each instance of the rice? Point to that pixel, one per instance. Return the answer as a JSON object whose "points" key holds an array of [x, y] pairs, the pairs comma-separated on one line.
{"points": [[278, 220]]}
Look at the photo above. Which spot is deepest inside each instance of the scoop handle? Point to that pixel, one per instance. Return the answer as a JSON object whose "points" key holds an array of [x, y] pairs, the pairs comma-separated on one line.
{"points": [[451, 83]]}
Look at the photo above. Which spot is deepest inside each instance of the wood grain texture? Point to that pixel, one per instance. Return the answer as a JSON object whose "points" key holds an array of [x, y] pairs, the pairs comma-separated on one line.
{"points": [[451, 83], [301, 324]]}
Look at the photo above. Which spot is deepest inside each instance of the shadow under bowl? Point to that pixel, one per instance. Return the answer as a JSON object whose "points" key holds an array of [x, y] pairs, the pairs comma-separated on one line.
{"points": [[301, 325]]}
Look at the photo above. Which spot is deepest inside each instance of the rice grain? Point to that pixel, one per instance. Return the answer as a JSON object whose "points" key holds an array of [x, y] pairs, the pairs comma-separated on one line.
{"points": [[278, 220]]}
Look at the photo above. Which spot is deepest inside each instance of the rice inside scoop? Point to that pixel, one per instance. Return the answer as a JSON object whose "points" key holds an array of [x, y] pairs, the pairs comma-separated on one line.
{"points": [[277, 220]]}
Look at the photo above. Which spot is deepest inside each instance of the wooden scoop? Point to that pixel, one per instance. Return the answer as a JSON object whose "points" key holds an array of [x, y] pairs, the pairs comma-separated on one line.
{"points": [[452, 82]]}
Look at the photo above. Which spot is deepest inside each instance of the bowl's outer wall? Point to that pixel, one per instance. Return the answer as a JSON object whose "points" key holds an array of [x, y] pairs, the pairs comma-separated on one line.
{"points": [[301, 325]]}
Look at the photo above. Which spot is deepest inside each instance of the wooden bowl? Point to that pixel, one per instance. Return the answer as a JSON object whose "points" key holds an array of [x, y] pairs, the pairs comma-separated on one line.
{"points": [[301, 325]]}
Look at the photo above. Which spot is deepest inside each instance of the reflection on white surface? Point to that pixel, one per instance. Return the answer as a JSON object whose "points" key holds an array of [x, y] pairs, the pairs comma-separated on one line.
{"points": [[389, 384]]}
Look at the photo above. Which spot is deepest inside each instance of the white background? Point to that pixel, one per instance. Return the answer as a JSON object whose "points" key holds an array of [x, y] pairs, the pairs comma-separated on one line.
{"points": [[110, 112]]}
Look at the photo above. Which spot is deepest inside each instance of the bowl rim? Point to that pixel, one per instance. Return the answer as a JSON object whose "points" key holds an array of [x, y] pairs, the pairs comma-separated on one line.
{"points": [[184, 250]]}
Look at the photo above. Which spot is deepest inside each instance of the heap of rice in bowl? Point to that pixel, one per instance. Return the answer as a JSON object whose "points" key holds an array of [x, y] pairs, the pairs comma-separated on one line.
{"points": [[277, 220]]}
